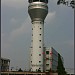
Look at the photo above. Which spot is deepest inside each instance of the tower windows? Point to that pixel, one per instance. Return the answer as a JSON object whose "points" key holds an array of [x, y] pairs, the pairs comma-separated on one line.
{"points": [[31, 61], [32, 34], [39, 68], [30, 1], [47, 52], [39, 61], [41, 0], [39, 54], [40, 34], [47, 64], [39, 46], [40, 40], [40, 28], [35, 0], [32, 28], [31, 54]]}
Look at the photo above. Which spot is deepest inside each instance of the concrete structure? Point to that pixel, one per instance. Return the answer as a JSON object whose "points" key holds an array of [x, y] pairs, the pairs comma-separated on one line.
{"points": [[41, 58], [51, 59], [38, 11], [5, 64], [27, 73]]}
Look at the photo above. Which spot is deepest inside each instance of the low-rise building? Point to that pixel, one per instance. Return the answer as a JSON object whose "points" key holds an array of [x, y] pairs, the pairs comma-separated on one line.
{"points": [[51, 59], [5, 64]]}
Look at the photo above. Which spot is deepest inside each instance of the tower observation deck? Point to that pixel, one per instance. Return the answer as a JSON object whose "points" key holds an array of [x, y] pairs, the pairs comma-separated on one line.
{"points": [[38, 11], [45, 1]]}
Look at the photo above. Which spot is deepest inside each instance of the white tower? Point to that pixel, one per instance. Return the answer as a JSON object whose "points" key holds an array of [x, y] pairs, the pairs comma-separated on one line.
{"points": [[38, 11]]}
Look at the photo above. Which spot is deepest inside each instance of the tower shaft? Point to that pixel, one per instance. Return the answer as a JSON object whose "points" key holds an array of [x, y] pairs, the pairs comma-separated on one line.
{"points": [[38, 41], [37, 11]]}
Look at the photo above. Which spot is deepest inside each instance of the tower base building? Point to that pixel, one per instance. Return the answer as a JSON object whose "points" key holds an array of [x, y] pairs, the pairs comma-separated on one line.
{"points": [[51, 59]]}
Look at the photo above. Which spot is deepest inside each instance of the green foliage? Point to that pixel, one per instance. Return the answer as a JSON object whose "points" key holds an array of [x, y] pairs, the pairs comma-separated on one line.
{"points": [[60, 68], [20, 70]]}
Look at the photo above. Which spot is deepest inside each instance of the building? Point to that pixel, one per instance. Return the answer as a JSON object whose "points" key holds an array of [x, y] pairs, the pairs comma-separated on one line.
{"points": [[38, 11], [5, 64], [41, 58], [51, 59]]}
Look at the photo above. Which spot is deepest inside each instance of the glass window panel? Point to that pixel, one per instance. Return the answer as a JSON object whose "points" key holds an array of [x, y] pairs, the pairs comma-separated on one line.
{"points": [[47, 52], [29, 1], [41, 0], [35, 0]]}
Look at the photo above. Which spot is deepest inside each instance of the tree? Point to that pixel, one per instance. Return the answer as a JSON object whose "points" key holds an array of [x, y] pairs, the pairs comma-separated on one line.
{"points": [[39, 70], [69, 4], [20, 70], [60, 67]]}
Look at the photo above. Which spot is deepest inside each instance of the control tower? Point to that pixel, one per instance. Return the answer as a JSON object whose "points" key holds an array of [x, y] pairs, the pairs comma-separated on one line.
{"points": [[38, 11]]}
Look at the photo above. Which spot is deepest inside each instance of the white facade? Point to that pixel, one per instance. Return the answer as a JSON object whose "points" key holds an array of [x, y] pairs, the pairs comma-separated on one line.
{"points": [[51, 59], [37, 47], [37, 11]]}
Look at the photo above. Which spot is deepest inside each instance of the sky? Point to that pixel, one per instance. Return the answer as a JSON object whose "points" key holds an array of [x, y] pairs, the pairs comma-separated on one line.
{"points": [[16, 32]]}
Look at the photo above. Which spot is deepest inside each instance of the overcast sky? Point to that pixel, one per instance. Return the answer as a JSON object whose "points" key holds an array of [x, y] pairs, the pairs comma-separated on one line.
{"points": [[16, 32]]}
